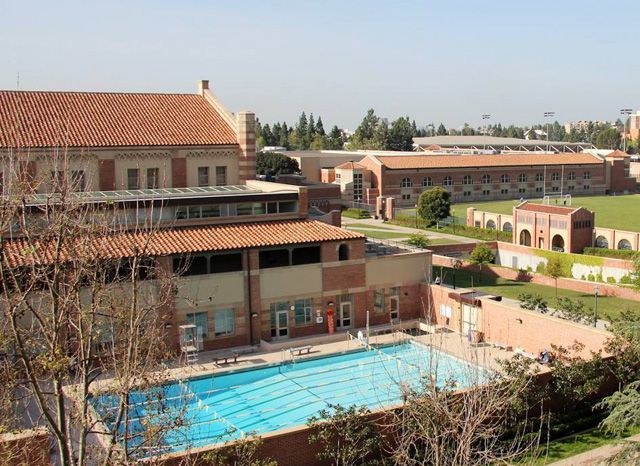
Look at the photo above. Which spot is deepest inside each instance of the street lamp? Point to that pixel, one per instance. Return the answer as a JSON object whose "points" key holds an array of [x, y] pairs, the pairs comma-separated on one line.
{"points": [[627, 112], [486, 116], [548, 115], [453, 213], [596, 290], [416, 216]]}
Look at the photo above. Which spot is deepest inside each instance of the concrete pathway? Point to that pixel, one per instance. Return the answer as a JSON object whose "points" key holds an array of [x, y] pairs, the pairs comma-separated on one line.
{"points": [[597, 456], [364, 222]]}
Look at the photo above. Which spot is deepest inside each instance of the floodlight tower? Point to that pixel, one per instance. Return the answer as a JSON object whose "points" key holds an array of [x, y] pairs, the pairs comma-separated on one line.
{"points": [[548, 115], [486, 116], [626, 112]]}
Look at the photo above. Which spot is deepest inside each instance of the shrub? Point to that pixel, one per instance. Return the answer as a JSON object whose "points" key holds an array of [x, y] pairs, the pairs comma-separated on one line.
{"points": [[533, 302], [541, 268], [582, 277], [599, 277], [626, 280], [529, 269], [419, 240], [574, 310], [356, 213], [611, 279], [591, 277]]}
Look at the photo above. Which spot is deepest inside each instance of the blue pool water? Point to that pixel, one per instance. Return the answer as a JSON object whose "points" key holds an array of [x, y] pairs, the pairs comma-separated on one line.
{"points": [[217, 408]]}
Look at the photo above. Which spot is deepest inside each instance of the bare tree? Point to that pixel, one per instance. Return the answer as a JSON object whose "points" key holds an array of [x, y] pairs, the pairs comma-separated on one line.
{"points": [[81, 296]]}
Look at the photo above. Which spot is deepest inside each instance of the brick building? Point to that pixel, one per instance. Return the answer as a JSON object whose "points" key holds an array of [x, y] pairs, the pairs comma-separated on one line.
{"points": [[122, 141], [254, 265], [552, 227]]}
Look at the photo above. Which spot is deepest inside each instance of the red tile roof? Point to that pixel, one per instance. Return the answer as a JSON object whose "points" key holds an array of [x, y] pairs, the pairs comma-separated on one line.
{"points": [[351, 166], [194, 239], [492, 160], [92, 119], [546, 209]]}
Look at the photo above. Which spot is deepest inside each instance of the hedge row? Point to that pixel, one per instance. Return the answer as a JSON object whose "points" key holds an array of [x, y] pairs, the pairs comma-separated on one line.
{"points": [[612, 253]]}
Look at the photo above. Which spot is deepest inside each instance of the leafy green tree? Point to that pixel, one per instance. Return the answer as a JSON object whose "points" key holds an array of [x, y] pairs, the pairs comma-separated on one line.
{"points": [[442, 130], [320, 142], [274, 163], [608, 138], [554, 269], [363, 137], [347, 436], [401, 135], [320, 127], [481, 255], [336, 139], [434, 205]]}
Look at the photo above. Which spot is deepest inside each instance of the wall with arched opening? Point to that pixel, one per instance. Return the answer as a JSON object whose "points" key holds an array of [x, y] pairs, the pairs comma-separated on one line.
{"points": [[525, 238]]}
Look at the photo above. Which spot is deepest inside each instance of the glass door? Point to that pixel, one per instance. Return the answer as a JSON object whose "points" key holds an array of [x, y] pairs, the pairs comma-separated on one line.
{"points": [[282, 324], [344, 316]]}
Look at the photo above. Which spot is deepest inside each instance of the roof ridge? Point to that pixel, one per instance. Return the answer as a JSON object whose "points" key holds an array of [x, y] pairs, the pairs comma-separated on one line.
{"points": [[32, 91]]}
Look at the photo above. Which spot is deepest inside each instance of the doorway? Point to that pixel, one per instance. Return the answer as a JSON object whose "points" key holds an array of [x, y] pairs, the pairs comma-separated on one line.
{"points": [[282, 324], [344, 315]]}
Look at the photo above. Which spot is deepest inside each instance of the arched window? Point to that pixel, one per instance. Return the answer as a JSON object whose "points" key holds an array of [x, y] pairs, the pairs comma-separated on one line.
{"points": [[467, 179], [507, 227], [602, 242], [624, 244], [427, 182], [522, 178], [406, 183], [587, 175], [504, 178], [539, 177], [486, 179], [490, 225], [571, 176], [555, 176], [447, 181], [343, 252]]}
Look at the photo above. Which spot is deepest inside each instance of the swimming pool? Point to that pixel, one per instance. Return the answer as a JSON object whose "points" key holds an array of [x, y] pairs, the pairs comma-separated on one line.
{"points": [[221, 407]]}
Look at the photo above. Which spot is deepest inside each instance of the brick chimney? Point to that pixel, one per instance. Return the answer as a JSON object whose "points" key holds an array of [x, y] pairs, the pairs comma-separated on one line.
{"points": [[247, 142], [203, 86]]}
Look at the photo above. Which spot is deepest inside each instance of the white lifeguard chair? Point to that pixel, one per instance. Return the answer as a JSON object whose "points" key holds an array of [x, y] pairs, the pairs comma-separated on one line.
{"points": [[189, 342]]}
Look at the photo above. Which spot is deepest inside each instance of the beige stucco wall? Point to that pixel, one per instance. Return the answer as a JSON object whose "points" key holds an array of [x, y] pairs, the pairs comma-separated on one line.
{"points": [[290, 281], [212, 160], [142, 164], [398, 269], [222, 288]]}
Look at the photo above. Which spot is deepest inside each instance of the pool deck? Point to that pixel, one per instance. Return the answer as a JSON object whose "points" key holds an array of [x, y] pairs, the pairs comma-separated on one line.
{"points": [[453, 343]]}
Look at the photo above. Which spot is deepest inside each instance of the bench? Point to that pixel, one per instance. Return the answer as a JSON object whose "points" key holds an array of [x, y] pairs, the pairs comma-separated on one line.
{"points": [[300, 349], [226, 358]]}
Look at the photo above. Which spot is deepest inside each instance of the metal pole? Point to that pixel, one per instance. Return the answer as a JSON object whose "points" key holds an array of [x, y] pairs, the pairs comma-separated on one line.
{"points": [[367, 328], [595, 316], [626, 112]]}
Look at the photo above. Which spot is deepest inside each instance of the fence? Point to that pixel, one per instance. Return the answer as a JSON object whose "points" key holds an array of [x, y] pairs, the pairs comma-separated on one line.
{"points": [[361, 205]]}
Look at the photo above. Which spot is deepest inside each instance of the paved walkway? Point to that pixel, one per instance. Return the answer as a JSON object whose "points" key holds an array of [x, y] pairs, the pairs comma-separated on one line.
{"points": [[364, 222], [597, 456]]}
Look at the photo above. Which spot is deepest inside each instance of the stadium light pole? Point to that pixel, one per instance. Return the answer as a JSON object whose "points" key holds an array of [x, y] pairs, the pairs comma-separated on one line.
{"points": [[486, 116], [626, 112], [548, 115]]}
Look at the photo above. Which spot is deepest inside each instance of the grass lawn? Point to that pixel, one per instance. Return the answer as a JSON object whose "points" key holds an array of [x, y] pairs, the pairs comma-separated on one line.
{"points": [[378, 234], [608, 306], [365, 226], [574, 445], [621, 212]]}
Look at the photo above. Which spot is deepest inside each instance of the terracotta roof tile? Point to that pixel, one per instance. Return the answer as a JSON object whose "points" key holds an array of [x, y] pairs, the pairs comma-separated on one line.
{"points": [[547, 209], [92, 119], [196, 239], [351, 166], [491, 160]]}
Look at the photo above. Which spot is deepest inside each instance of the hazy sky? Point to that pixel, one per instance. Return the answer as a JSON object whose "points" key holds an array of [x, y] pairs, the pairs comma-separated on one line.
{"points": [[435, 61]]}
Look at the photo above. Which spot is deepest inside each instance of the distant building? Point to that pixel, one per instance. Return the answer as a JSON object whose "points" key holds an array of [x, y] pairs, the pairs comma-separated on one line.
{"points": [[634, 126], [496, 144], [583, 125]]}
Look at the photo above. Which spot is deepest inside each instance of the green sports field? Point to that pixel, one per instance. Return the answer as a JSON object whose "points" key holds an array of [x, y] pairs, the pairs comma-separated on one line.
{"points": [[620, 212]]}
